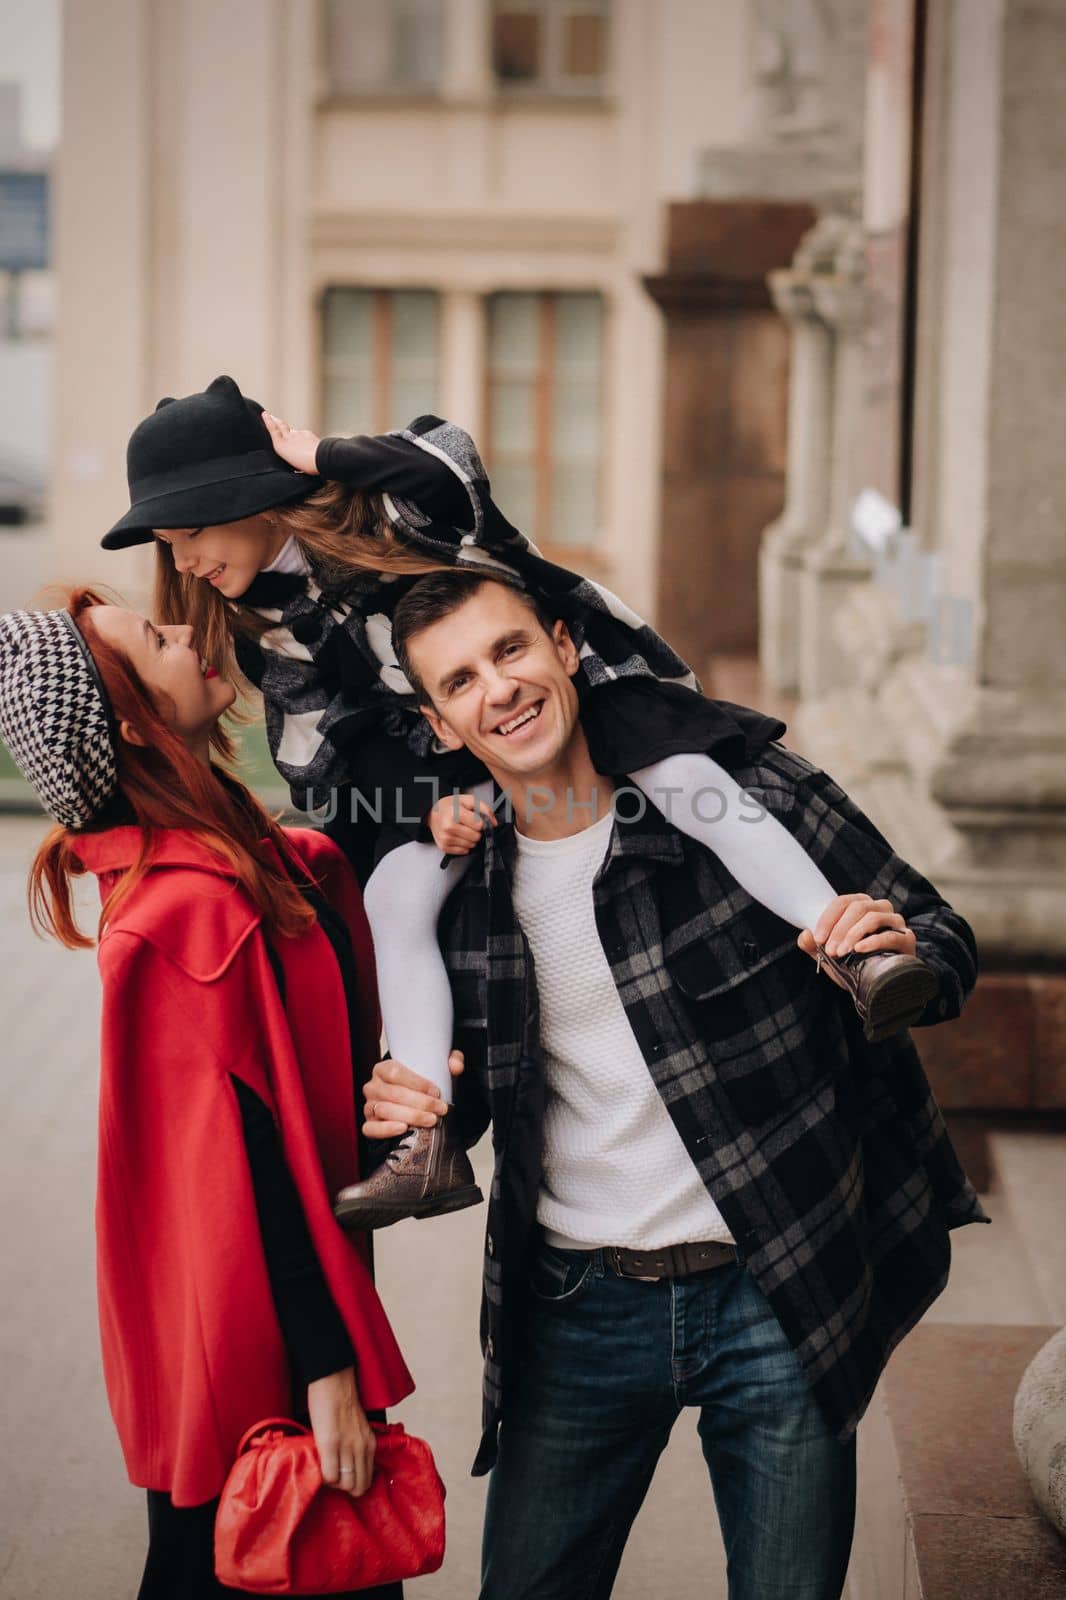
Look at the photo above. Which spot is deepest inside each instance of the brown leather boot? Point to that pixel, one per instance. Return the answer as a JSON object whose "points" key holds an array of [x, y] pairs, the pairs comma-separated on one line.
{"points": [[425, 1174], [890, 991]]}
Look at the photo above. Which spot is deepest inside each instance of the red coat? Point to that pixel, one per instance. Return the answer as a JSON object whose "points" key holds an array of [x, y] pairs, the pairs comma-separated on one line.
{"points": [[192, 1350]]}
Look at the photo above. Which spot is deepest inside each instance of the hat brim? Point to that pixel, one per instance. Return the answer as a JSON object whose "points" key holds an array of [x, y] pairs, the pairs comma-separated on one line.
{"points": [[208, 506]]}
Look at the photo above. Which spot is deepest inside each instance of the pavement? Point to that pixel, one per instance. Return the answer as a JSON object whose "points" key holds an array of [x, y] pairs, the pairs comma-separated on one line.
{"points": [[70, 1524]]}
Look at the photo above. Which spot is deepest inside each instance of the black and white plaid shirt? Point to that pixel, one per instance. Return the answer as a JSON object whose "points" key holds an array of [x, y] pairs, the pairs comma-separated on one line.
{"points": [[827, 1156]]}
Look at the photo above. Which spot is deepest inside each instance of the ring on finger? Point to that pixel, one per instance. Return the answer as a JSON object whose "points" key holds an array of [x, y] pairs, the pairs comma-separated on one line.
{"points": [[347, 1469]]}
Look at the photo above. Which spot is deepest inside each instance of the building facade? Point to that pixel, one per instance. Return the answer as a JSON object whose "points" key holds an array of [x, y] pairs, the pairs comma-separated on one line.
{"points": [[364, 209]]}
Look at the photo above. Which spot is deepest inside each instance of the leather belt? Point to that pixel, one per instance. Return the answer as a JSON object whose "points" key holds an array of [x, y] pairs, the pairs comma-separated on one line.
{"points": [[670, 1261]]}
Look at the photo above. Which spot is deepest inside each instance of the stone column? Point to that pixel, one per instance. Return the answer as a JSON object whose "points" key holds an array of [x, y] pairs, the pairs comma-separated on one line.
{"points": [[462, 343], [104, 227], [807, 486], [831, 571], [467, 65], [218, 268], [172, 208], [724, 409], [981, 715]]}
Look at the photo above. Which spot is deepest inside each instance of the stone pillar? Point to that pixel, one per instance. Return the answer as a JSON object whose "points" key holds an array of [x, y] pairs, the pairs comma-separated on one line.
{"points": [[467, 64], [807, 487], [972, 721], [831, 571], [462, 343], [220, 115], [983, 729], [724, 429], [104, 220], [298, 330], [806, 91], [173, 208]]}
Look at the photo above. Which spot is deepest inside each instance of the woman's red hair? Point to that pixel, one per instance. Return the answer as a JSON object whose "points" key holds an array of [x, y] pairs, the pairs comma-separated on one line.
{"points": [[166, 786]]}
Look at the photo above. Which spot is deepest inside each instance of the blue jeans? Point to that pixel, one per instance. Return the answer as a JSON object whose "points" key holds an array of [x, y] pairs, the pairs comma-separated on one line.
{"points": [[609, 1364]]}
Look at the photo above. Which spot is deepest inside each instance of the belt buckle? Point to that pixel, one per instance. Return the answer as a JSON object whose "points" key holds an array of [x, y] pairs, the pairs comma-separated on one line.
{"points": [[635, 1277]]}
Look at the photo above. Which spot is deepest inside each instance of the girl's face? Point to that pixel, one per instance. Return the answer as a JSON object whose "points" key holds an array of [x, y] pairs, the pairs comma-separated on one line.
{"points": [[228, 555], [188, 694]]}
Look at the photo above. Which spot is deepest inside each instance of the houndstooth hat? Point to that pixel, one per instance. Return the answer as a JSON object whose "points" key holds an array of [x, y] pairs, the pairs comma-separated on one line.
{"points": [[55, 716]]}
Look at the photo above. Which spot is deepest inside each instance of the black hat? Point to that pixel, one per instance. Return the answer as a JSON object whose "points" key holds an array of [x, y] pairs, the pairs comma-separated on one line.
{"points": [[203, 460]]}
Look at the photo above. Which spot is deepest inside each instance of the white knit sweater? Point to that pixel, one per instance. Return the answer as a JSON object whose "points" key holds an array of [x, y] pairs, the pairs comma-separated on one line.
{"points": [[614, 1168]]}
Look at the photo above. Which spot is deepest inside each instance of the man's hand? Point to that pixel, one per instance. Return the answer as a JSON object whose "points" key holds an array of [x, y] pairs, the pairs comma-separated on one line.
{"points": [[344, 1438], [297, 446], [398, 1099], [858, 922], [457, 822]]}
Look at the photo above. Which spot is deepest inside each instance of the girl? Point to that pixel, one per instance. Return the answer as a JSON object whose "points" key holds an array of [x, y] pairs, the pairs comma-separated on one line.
{"points": [[297, 549], [238, 998]]}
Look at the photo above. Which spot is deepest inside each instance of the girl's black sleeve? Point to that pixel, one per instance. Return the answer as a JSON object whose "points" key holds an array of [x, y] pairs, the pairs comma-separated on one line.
{"points": [[311, 1325], [389, 464]]}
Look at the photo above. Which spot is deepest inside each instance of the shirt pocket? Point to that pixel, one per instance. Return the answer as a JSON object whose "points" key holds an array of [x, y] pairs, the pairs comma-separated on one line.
{"points": [[755, 1007]]}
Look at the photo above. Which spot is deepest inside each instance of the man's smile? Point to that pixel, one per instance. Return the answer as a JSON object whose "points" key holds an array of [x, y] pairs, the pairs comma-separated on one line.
{"points": [[522, 719]]}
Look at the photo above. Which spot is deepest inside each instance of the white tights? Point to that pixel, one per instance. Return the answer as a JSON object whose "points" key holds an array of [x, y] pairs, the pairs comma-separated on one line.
{"points": [[407, 890]]}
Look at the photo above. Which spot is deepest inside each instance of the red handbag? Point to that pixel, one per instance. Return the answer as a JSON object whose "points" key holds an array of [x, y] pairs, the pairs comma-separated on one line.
{"points": [[281, 1530]]}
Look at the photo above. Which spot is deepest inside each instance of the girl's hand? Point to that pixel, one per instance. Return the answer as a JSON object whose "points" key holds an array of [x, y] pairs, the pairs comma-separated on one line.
{"points": [[297, 446], [457, 822], [343, 1437]]}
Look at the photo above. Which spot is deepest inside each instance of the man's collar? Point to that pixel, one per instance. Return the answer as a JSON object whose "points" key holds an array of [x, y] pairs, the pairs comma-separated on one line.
{"points": [[641, 829]]}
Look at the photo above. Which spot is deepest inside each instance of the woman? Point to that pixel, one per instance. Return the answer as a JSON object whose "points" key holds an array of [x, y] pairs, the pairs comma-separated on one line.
{"points": [[238, 1003], [298, 549]]}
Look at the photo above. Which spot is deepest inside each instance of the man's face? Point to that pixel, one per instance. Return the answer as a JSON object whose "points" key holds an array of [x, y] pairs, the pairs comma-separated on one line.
{"points": [[499, 684]]}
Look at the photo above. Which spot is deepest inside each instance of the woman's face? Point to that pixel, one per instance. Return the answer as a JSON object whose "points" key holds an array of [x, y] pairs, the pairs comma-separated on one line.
{"points": [[228, 555], [188, 694]]}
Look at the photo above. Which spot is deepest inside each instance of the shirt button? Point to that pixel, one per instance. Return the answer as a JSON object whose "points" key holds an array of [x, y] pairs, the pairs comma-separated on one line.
{"points": [[489, 1246], [490, 1348]]}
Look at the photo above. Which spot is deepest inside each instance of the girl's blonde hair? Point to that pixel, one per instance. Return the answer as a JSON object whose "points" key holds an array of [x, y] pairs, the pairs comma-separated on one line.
{"points": [[340, 530]]}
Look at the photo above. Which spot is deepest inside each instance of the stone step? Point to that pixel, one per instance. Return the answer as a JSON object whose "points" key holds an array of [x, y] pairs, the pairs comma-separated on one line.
{"points": [[992, 1279], [1029, 1173], [945, 1511]]}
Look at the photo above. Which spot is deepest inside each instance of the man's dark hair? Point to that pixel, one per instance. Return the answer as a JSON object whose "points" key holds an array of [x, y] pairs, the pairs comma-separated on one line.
{"points": [[435, 597]]}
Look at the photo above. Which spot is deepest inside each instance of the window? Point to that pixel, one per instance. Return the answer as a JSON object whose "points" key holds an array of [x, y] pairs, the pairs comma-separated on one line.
{"points": [[543, 413], [380, 360], [383, 46], [551, 46]]}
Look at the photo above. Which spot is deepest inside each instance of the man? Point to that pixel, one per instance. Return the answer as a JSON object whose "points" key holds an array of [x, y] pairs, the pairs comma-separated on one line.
{"points": [[709, 1189]]}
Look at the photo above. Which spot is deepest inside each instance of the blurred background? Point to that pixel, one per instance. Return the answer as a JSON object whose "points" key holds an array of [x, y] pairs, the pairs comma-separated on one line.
{"points": [[757, 310]]}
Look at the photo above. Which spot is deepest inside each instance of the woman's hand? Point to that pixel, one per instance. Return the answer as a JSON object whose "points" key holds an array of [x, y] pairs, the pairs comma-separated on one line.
{"points": [[457, 822], [297, 446], [397, 1099], [343, 1437]]}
